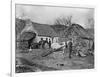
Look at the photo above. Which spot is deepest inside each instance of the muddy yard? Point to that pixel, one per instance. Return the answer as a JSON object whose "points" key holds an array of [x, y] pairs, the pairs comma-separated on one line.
{"points": [[54, 61]]}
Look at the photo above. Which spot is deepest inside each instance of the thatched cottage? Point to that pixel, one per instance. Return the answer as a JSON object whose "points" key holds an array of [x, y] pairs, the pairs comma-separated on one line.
{"points": [[79, 35], [42, 31]]}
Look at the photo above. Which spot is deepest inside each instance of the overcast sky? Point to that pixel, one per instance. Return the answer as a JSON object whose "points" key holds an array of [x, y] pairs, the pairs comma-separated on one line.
{"points": [[47, 14]]}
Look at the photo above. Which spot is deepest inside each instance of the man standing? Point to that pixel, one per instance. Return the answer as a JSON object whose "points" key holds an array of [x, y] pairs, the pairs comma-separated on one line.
{"points": [[65, 49], [41, 43], [49, 43], [45, 44], [70, 48]]}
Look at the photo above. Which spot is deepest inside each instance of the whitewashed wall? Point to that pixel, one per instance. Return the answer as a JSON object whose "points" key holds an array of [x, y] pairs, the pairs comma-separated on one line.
{"points": [[38, 38], [55, 39]]}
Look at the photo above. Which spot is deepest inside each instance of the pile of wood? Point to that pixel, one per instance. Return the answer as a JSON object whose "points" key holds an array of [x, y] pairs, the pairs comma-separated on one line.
{"points": [[50, 51]]}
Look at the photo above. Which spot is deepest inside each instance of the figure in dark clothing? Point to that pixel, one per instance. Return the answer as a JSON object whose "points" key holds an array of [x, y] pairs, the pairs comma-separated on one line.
{"points": [[45, 42], [66, 49], [66, 45], [70, 49], [31, 40], [93, 46], [49, 43], [41, 42]]}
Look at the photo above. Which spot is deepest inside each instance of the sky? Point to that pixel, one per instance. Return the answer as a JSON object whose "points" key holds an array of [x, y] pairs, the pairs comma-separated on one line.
{"points": [[48, 14]]}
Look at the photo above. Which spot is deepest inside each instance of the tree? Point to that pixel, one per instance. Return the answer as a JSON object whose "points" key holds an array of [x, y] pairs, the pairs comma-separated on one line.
{"points": [[67, 21]]}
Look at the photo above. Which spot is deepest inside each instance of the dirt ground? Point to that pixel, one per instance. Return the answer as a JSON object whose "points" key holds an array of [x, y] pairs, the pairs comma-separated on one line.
{"points": [[57, 60]]}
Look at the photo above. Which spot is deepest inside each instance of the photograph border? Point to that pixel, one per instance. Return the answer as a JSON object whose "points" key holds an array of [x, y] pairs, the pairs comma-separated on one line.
{"points": [[13, 13]]}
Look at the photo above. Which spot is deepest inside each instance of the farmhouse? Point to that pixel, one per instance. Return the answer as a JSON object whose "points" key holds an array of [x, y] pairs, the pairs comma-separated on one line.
{"points": [[42, 31], [79, 34]]}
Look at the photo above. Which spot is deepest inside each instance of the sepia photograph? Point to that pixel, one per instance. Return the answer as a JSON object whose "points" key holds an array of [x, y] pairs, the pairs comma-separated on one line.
{"points": [[53, 38]]}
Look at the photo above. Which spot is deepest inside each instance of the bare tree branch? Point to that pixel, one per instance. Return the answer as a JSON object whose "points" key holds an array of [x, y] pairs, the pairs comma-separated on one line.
{"points": [[63, 21]]}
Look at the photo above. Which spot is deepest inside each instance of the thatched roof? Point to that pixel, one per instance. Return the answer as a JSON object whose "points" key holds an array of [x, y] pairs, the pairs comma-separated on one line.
{"points": [[41, 29], [78, 30], [44, 30], [27, 35], [19, 25], [24, 26]]}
